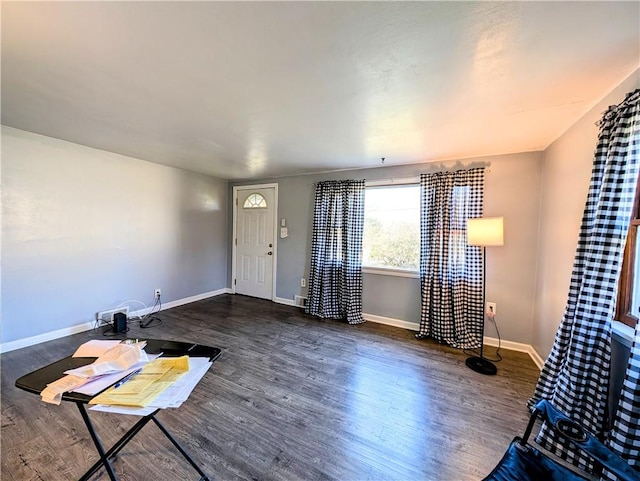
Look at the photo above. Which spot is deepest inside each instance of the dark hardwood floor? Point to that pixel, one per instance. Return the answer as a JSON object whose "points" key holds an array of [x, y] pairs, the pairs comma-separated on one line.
{"points": [[292, 397]]}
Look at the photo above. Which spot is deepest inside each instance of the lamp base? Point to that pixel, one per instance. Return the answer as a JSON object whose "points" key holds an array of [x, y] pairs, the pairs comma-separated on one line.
{"points": [[481, 365]]}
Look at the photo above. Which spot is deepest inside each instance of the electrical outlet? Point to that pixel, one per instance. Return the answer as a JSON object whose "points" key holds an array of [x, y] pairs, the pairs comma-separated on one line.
{"points": [[106, 317], [492, 307], [303, 282], [157, 293]]}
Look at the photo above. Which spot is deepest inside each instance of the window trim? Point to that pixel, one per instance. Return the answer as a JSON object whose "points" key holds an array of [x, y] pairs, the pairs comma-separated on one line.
{"points": [[622, 333], [391, 271], [392, 182], [625, 284]]}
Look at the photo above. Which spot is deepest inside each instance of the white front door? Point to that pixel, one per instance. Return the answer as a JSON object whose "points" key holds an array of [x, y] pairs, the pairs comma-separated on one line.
{"points": [[254, 241]]}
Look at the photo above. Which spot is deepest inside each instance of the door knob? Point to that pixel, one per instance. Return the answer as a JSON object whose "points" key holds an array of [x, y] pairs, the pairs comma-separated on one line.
{"points": [[269, 253]]}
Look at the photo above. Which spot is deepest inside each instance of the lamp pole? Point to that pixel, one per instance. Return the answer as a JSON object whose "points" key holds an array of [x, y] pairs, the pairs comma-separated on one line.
{"points": [[479, 363], [483, 232]]}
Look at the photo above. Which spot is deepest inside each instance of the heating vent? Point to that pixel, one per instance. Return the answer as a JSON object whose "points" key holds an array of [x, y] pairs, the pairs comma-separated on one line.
{"points": [[300, 301]]}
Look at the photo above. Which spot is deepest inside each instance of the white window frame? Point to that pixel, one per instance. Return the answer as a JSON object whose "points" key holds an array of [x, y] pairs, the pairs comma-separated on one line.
{"points": [[392, 271]]}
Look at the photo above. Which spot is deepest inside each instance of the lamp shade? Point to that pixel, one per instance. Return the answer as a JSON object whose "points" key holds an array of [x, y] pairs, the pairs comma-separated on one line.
{"points": [[485, 231]]}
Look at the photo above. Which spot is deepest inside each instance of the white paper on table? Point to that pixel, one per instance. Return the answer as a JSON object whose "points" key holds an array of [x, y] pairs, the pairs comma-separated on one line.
{"points": [[116, 359], [173, 396], [94, 386], [179, 391], [94, 348], [52, 394], [123, 410]]}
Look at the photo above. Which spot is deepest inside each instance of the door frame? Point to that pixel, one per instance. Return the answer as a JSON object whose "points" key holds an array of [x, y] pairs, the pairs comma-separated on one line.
{"points": [[236, 189]]}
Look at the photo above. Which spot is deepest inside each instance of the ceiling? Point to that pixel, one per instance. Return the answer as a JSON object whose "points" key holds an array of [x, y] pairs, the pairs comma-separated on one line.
{"points": [[247, 90]]}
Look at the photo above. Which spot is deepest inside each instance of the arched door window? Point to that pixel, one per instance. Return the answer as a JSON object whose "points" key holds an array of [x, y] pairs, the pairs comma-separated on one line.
{"points": [[255, 201]]}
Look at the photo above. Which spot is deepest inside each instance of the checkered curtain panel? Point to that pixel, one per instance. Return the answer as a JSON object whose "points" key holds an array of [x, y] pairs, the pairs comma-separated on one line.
{"points": [[575, 376], [625, 436], [451, 272], [624, 123], [335, 278]]}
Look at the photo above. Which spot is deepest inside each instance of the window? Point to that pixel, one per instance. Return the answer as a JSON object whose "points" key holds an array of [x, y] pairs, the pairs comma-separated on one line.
{"points": [[458, 230], [391, 237], [628, 307], [255, 201]]}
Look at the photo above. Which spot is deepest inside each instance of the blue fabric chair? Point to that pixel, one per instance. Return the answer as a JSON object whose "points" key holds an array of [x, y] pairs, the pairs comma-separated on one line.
{"points": [[529, 462]]}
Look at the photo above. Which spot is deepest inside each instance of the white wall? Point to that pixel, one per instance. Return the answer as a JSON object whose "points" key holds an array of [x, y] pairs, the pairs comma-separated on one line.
{"points": [[566, 174], [84, 230]]}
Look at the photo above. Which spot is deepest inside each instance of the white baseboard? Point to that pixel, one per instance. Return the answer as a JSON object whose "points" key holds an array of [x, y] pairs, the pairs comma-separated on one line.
{"points": [[86, 326], [516, 346], [536, 358], [489, 341], [181, 302], [47, 336], [285, 301], [388, 321]]}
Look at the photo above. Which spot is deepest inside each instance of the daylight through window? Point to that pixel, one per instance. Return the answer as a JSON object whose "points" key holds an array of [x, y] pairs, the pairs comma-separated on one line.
{"points": [[391, 237], [255, 201]]}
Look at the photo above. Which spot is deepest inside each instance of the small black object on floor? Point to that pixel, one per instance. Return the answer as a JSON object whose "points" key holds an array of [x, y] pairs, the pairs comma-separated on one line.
{"points": [[481, 365]]}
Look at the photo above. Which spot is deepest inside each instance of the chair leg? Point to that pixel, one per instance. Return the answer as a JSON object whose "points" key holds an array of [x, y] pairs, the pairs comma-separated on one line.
{"points": [[532, 421]]}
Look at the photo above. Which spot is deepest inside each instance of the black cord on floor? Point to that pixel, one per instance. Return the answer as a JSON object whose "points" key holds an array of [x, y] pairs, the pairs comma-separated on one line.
{"points": [[110, 333], [150, 320]]}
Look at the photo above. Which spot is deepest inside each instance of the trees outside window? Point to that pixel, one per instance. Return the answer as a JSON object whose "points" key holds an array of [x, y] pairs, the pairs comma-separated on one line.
{"points": [[391, 237]]}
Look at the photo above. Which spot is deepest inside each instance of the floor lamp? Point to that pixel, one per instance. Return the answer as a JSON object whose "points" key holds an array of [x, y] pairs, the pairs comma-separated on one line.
{"points": [[484, 232]]}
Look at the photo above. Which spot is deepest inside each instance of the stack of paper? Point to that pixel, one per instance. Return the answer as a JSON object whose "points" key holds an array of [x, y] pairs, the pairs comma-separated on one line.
{"points": [[114, 358], [100, 383], [172, 397], [52, 394], [145, 386], [160, 383]]}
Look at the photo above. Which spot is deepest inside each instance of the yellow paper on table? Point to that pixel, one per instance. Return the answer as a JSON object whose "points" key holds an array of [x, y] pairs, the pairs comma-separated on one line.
{"points": [[142, 388]]}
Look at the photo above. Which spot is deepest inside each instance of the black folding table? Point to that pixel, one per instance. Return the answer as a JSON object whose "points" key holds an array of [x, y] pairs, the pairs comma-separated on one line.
{"points": [[36, 381]]}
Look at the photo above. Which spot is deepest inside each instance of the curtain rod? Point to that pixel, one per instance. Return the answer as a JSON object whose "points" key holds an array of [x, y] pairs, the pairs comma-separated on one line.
{"points": [[399, 181]]}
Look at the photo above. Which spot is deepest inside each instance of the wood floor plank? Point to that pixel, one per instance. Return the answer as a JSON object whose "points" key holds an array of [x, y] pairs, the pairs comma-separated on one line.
{"points": [[292, 397]]}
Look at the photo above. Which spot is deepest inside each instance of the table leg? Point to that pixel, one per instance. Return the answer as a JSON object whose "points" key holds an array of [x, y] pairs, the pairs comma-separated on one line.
{"points": [[179, 448], [104, 460], [121, 443]]}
